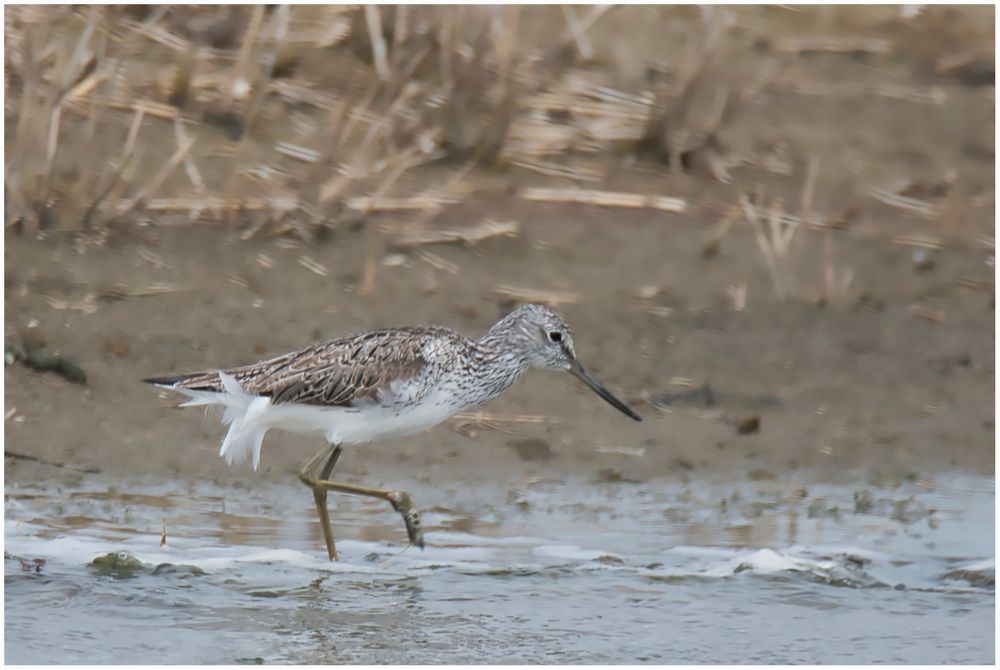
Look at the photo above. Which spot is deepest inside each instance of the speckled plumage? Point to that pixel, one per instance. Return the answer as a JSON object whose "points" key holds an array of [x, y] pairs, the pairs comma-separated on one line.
{"points": [[379, 384], [343, 372]]}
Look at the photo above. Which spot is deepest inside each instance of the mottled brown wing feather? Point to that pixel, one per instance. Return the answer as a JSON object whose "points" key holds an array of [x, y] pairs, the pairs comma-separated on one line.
{"points": [[340, 372]]}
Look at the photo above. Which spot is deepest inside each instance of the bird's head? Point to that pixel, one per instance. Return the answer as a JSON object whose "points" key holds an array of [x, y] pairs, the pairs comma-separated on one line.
{"points": [[545, 341]]}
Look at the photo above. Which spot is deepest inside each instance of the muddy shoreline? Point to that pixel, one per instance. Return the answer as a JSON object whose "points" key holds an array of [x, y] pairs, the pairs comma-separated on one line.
{"points": [[864, 388]]}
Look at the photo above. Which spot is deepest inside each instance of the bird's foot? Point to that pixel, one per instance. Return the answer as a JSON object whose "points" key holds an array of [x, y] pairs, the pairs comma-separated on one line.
{"points": [[411, 517]]}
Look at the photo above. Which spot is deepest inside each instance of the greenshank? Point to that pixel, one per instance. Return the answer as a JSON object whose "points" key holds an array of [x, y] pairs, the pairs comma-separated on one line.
{"points": [[375, 385]]}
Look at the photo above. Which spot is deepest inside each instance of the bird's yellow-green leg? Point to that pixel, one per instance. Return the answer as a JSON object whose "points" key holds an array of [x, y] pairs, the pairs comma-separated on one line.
{"points": [[319, 468], [314, 475], [400, 501]]}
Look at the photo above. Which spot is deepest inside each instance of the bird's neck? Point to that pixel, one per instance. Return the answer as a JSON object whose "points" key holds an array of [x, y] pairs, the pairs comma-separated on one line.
{"points": [[497, 360]]}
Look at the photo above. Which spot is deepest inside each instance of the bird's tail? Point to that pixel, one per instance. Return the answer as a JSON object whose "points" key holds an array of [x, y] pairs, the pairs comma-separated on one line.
{"points": [[243, 414]]}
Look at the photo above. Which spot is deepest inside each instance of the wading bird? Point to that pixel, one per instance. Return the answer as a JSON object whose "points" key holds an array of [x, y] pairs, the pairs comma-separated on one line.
{"points": [[378, 384]]}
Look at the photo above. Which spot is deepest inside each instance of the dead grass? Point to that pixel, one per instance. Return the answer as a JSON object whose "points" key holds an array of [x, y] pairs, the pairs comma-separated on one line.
{"points": [[294, 120]]}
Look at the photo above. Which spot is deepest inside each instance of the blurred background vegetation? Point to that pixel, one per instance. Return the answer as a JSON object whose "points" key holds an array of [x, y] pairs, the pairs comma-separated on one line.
{"points": [[294, 120]]}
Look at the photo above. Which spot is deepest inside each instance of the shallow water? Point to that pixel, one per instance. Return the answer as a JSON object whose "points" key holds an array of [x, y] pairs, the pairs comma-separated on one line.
{"points": [[545, 571]]}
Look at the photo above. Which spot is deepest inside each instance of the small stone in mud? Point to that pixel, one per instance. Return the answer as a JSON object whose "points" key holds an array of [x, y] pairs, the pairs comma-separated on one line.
{"points": [[908, 511], [923, 261], [117, 564], [184, 570], [748, 425], [702, 395], [613, 476], [532, 449], [761, 475], [868, 303], [117, 345], [608, 559], [984, 578], [33, 338], [863, 502], [681, 463], [818, 509]]}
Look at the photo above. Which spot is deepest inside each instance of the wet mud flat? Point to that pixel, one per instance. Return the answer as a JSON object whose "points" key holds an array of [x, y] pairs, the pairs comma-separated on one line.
{"points": [[866, 386], [545, 572]]}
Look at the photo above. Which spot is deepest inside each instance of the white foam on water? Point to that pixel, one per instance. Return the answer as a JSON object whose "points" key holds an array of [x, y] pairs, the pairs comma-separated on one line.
{"points": [[984, 565], [701, 552], [75, 549], [460, 552], [569, 552], [449, 537], [768, 561], [719, 563], [842, 550]]}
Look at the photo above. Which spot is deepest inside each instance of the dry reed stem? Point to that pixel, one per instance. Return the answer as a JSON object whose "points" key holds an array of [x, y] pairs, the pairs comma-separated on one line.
{"points": [[469, 236], [108, 192], [297, 152], [532, 295], [773, 239], [926, 313], [656, 310], [314, 266], [933, 95], [239, 71], [577, 33], [338, 31], [555, 170], [437, 262], [712, 241], [221, 204], [85, 87], [157, 179], [379, 52], [151, 107], [902, 202], [973, 284], [919, 241], [366, 203], [150, 31], [190, 167], [803, 45], [604, 198], [487, 417], [368, 278]]}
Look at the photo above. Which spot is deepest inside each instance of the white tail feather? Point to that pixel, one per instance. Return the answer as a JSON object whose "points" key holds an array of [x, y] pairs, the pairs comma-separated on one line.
{"points": [[243, 413]]}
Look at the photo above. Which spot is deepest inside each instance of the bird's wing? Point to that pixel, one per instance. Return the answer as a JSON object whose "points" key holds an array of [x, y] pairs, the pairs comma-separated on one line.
{"points": [[343, 372]]}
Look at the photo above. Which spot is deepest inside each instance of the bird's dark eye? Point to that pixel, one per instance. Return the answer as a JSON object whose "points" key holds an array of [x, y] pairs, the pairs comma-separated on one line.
{"points": [[555, 336]]}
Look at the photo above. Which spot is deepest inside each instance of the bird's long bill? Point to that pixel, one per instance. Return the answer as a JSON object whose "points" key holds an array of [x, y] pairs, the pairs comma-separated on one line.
{"points": [[599, 389]]}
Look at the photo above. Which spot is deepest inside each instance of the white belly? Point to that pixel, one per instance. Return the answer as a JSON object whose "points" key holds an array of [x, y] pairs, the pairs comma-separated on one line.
{"points": [[346, 426], [250, 417]]}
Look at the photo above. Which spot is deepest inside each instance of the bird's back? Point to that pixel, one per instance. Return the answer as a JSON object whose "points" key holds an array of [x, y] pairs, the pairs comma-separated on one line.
{"points": [[342, 372]]}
